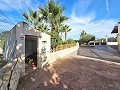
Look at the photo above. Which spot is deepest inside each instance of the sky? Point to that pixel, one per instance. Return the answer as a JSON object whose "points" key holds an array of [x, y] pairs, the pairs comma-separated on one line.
{"points": [[97, 17]]}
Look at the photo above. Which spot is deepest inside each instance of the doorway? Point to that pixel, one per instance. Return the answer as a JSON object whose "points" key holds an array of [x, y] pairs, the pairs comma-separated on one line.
{"points": [[30, 52]]}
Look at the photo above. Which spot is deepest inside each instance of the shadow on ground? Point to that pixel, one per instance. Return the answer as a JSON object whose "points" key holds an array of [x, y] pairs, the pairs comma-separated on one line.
{"points": [[41, 79], [73, 74]]}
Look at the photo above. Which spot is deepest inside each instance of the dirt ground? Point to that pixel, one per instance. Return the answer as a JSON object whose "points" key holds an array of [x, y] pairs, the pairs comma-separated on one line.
{"points": [[73, 74]]}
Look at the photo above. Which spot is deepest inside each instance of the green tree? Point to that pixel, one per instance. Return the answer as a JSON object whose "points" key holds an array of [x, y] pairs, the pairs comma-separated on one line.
{"points": [[83, 33], [86, 39], [66, 29], [112, 39], [70, 41], [32, 18], [62, 29], [56, 40], [2, 37], [43, 28], [52, 14]]}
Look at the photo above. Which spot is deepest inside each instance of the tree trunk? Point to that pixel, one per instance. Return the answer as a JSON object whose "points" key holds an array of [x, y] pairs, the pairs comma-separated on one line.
{"points": [[65, 36], [61, 34]]}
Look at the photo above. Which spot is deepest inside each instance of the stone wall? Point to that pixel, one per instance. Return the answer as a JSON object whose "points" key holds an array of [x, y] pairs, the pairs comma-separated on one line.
{"points": [[10, 74]]}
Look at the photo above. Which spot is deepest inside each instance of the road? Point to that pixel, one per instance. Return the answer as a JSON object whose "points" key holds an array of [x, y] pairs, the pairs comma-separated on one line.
{"points": [[100, 52]]}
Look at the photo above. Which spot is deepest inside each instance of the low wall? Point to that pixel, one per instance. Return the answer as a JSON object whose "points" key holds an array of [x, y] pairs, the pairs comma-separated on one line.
{"points": [[10, 74], [62, 53], [112, 43]]}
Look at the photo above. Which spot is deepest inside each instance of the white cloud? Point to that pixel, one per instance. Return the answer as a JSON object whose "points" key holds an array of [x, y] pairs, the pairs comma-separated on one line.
{"points": [[81, 6], [107, 5], [8, 5], [99, 28]]}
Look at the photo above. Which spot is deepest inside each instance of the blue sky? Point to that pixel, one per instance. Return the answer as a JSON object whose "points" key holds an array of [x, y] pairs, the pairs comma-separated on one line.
{"points": [[96, 17]]}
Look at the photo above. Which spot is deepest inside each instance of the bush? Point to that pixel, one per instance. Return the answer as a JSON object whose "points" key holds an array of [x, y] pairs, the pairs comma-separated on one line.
{"points": [[69, 41], [86, 38], [56, 39]]}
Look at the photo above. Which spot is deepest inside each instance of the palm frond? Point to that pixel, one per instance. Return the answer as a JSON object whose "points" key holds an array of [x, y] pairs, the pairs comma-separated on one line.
{"points": [[26, 16], [31, 12]]}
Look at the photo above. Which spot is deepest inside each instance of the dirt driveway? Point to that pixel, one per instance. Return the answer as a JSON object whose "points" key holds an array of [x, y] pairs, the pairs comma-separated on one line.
{"points": [[73, 74]]}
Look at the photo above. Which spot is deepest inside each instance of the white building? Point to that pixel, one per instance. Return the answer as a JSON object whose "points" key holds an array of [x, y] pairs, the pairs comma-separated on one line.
{"points": [[116, 29], [22, 41]]}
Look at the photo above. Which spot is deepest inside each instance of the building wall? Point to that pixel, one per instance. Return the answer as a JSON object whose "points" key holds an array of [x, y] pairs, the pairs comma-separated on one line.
{"points": [[112, 43], [18, 33], [46, 38], [25, 30], [22, 30], [10, 45], [119, 36]]}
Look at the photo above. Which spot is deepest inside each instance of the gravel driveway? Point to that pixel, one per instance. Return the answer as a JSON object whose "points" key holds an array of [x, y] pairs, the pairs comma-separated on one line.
{"points": [[73, 73]]}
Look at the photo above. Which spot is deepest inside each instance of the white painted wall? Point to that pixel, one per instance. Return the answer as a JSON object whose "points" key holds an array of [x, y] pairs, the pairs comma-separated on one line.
{"points": [[10, 40], [112, 43], [62, 53], [119, 36]]}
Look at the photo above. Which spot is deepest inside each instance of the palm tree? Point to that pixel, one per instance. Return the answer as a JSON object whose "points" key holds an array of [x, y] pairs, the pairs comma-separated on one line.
{"points": [[52, 14], [32, 18], [66, 29], [83, 33], [43, 28], [61, 30]]}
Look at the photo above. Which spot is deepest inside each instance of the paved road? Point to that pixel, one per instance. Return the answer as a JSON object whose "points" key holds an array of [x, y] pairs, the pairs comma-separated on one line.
{"points": [[100, 52]]}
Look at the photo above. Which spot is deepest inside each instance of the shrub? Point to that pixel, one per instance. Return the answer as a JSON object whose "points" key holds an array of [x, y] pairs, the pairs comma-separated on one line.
{"points": [[86, 38], [69, 41]]}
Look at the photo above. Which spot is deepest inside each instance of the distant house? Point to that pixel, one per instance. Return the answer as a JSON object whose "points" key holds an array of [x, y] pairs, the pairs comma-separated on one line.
{"points": [[116, 29]]}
